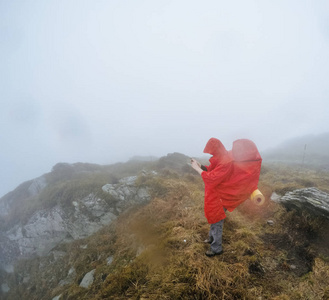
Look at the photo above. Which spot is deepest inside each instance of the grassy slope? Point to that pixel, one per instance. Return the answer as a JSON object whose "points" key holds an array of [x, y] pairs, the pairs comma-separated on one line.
{"points": [[153, 261]]}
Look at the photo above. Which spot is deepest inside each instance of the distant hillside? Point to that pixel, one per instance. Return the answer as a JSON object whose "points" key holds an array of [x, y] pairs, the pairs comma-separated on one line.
{"points": [[310, 150]]}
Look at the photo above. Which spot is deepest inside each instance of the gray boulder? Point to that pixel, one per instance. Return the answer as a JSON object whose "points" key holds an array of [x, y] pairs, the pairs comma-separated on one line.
{"points": [[88, 279], [311, 199], [109, 260]]}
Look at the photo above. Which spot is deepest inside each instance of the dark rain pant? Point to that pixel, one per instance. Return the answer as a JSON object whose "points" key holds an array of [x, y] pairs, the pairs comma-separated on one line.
{"points": [[215, 235]]}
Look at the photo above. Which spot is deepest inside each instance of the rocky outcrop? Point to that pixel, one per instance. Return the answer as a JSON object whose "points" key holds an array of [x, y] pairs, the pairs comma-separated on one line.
{"points": [[5, 288], [37, 186], [4, 208], [22, 193], [125, 193], [46, 228], [311, 199]]}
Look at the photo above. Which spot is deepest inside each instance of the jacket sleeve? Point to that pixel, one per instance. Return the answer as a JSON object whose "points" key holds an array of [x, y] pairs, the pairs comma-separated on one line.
{"points": [[218, 174]]}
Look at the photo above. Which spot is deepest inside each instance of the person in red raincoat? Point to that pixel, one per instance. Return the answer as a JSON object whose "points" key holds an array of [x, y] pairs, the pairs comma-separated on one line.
{"points": [[229, 180]]}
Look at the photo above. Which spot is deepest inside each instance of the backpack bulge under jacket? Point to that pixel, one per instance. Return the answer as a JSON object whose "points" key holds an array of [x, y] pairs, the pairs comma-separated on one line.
{"points": [[230, 178]]}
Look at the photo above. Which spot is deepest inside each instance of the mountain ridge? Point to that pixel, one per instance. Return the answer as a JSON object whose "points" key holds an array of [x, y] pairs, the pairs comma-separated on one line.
{"points": [[154, 250], [310, 150]]}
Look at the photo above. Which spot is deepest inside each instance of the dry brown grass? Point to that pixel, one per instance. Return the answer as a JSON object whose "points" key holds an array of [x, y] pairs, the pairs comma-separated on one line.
{"points": [[173, 265], [158, 250]]}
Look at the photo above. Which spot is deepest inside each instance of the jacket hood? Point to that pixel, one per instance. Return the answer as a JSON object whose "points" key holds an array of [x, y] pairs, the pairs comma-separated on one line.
{"points": [[215, 148]]}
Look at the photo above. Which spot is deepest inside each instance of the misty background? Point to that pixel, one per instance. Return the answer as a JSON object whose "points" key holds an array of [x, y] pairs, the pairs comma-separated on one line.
{"points": [[103, 81]]}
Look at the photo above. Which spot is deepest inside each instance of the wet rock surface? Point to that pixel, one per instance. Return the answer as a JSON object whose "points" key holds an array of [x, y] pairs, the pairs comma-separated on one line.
{"points": [[311, 199], [47, 228]]}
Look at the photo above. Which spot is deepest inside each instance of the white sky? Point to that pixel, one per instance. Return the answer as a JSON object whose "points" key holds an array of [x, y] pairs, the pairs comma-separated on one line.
{"points": [[102, 81]]}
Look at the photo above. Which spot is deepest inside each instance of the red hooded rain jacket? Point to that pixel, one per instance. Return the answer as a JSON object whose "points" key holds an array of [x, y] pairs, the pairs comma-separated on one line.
{"points": [[230, 178]]}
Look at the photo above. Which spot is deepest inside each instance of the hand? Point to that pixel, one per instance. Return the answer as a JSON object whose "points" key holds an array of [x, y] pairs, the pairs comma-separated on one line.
{"points": [[195, 161], [196, 165]]}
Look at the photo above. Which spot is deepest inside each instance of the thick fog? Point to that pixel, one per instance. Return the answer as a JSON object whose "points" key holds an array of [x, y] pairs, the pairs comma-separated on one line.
{"points": [[102, 81]]}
